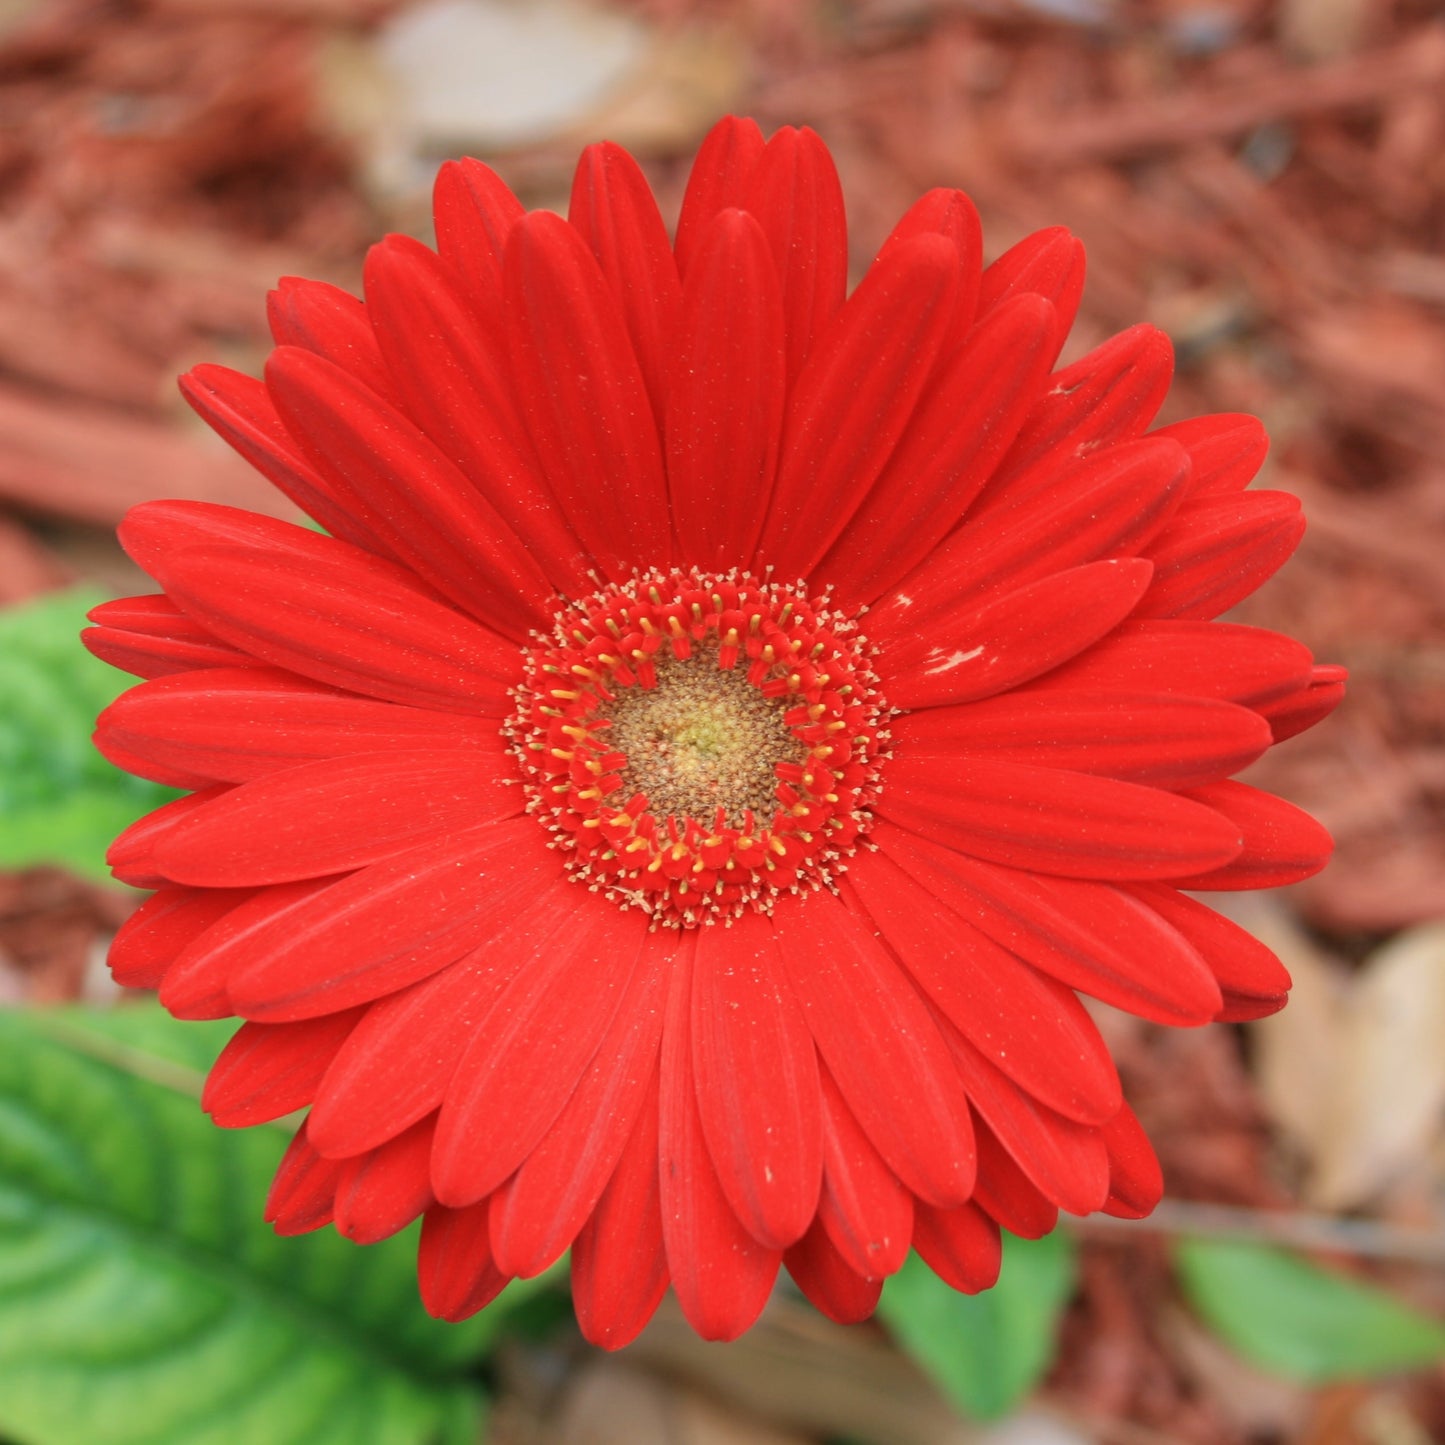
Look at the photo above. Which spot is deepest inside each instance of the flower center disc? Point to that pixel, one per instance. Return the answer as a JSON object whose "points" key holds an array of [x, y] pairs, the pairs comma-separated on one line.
{"points": [[700, 745]]}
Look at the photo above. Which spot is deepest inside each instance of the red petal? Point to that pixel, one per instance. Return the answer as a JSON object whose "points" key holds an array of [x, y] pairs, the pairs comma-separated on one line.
{"points": [[725, 407], [406, 492], [722, 1275], [881, 1046], [1004, 1192], [1282, 843], [1101, 940], [1033, 1029], [583, 397], [969, 414], [1065, 1160], [475, 212], [130, 856], [979, 651], [1200, 659], [346, 625], [1226, 451], [303, 1189], [454, 1265], [1049, 263], [1106, 397], [868, 1214], [389, 925], [718, 181], [150, 940], [619, 1271], [270, 1070], [756, 1073], [237, 724], [1248, 972], [1052, 821], [1289, 716], [454, 381], [541, 1209], [1104, 506], [197, 984], [827, 1280], [961, 1246], [163, 646], [947, 212], [613, 210], [335, 814], [1136, 1183], [1166, 742], [240, 411], [854, 398], [1216, 551], [324, 319], [382, 1192], [396, 1067], [530, 1050], [794, 192]]}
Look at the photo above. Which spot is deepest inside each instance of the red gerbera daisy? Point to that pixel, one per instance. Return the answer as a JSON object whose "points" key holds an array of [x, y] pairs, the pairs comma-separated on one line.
{"points": [[673, 813]]}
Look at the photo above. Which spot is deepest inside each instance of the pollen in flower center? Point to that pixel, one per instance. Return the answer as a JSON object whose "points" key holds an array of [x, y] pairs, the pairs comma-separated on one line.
{"points": [[699, 745], [703, 738]]}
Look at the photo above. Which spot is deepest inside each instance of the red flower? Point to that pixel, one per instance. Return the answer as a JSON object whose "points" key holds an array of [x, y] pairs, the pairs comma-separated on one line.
{"points": [[672, 813]]}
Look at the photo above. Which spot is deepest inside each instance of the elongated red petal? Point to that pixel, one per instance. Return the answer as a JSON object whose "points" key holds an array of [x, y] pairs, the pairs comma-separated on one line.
{"points": [[757, 1081], [968, 416], [1006, 1194], [583, 397], [475, 212], [454, 1263], [1282, 843], [1226, 450], [539, 1211], [1201, 659], [270, 1070], [379, 1193], [303, 1190], [1136, 1183], [236, 724], [150, 940], [1167, 742], [454, 381], [724, 412], [619, 1269], [335, 814], [396, 1067], [829, 1281], [1289, 716], [854, 398], [1031, 1028], [880, 1045], [1067, 1161], [1049, 263], [718, 181], [948, 212], [529, 1052], [406, 492], [961, 1246], [1105, 941], [868, 1214], [793, 190], [977, 652], [722, 1275], [388, 925], [131, 855], [613, 210], [151, 637], [324, 319], [240, 411]]}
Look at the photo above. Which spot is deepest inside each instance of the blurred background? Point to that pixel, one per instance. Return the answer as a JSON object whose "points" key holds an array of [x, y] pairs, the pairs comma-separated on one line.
{"points": [[1264, 179]]}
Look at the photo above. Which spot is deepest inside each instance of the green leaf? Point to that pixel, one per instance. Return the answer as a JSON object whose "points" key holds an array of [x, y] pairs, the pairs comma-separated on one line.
{"points": [[985, 1351], [1290, 1316], [143, 1301], [61, 801]]}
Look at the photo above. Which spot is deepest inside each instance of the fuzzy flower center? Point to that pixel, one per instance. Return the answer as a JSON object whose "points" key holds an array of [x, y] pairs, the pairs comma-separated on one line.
{"points": [[699, 744]]}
